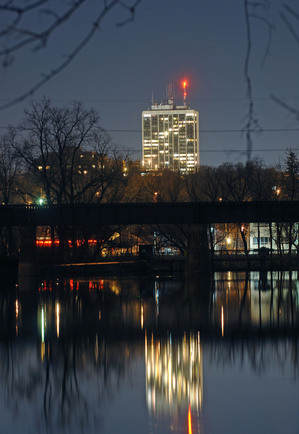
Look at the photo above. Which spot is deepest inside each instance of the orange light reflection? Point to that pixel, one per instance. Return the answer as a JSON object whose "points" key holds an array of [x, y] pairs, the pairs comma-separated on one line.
{"points": [[46, 242], [222, 321], [189, 420]]}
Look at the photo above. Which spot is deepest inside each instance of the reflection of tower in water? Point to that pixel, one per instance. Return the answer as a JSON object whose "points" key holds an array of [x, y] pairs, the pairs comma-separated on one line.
{"points": [[174, 375]]}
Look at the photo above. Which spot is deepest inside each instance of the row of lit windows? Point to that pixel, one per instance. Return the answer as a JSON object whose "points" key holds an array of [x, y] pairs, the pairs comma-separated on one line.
{"points": [[169, 137], [169, 117], [182, 128], [190, 147], [263, 240], [170, 150], [168, 126], [175, 157], [181, 148]]}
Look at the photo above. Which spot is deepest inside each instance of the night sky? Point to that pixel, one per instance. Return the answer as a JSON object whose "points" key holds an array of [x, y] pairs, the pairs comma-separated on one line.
{"points": [[201, 40]]}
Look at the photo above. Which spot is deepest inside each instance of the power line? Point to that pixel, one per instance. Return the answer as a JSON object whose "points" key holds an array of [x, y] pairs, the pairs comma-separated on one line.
{"points": [[233, 150], [230, 150], [265, 130], [211, 98], [244, 150], [191, 100], [218, 131]]}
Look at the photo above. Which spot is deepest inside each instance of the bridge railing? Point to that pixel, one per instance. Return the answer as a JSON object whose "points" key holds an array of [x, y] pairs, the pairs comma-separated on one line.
{"points": [[150, 213]]}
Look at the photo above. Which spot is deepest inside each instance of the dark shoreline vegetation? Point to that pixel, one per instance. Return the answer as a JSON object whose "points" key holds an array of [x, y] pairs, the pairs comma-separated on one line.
{"points": [[134, 266], [170, 265], [62, 156], [254, 305]]}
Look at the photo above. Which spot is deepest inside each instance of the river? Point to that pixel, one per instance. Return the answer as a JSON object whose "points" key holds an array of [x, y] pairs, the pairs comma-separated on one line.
{"points": [[151, 355]]}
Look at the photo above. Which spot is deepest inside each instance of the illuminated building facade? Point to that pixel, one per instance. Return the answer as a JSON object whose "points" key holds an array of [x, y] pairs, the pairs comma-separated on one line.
{"points": [[174, 381], [273, 237], [170, 137], [173, 373]]}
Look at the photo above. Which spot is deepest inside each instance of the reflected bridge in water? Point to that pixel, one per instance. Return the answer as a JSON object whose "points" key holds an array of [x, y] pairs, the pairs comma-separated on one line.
{"points": [[73, 352]]}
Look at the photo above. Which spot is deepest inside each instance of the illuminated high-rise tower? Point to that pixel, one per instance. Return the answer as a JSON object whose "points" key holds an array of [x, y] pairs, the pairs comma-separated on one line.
{"points": [[170, 135]]}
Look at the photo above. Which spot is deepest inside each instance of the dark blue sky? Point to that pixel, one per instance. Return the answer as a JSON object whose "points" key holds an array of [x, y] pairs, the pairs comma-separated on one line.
{"points": [[202, 40]]}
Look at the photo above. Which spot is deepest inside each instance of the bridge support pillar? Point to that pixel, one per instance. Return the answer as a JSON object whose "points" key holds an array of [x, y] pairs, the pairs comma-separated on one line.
{"points": [[27, 266], [198, 260]]}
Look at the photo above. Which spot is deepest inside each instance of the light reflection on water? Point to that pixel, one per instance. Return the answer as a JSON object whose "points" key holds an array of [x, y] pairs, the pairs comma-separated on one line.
{"points": [[151, 355]]}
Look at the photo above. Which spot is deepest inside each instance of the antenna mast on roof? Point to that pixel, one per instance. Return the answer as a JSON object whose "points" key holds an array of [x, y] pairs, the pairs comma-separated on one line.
{"points": [[185, 84], [170, 93]]}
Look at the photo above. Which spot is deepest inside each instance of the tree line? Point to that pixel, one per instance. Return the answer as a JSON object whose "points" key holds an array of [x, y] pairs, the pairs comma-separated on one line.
{"points": [[63, 155]]}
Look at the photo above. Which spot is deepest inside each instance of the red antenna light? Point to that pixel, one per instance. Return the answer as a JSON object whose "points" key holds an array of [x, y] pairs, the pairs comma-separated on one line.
{"points": [[185, 84]]}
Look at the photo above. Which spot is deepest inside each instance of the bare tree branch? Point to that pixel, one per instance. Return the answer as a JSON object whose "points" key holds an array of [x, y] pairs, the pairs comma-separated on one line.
{"points": [[292, 110], [252, 121], [270, 27], [41, 37], [20, 36], [131, 10], [288, 23], [285, 19], [291, 11], [252, 11]]}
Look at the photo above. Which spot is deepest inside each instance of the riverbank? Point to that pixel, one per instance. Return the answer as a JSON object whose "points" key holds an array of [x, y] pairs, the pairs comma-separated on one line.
{"points": [[8, 268], [121, 266], [157, 265], [163, 265]]}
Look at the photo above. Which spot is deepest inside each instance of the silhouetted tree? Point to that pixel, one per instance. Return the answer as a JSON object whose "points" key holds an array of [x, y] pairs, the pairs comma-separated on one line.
{"points": [[70, 159], [204, 185], [290, 176], [9, 172], [9, 167], [22, 28]]}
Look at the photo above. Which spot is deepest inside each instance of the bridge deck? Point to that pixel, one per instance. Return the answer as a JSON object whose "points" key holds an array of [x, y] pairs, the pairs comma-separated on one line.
{"points": [[150, 213]]}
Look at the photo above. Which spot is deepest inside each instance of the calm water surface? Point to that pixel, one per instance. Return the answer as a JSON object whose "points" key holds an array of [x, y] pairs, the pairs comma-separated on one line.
{"points": [[152, 355]]}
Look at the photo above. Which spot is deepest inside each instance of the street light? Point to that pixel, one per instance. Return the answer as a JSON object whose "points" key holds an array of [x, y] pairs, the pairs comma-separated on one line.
{"points": [[40, 201]]}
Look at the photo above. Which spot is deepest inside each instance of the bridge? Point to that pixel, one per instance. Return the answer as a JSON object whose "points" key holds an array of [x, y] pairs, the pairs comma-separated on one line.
{"points": [[150, 213], [194, 214]]}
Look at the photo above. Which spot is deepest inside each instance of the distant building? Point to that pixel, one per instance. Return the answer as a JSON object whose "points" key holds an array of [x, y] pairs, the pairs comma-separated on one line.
{"points": [[170, 137], [274, 237]]}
